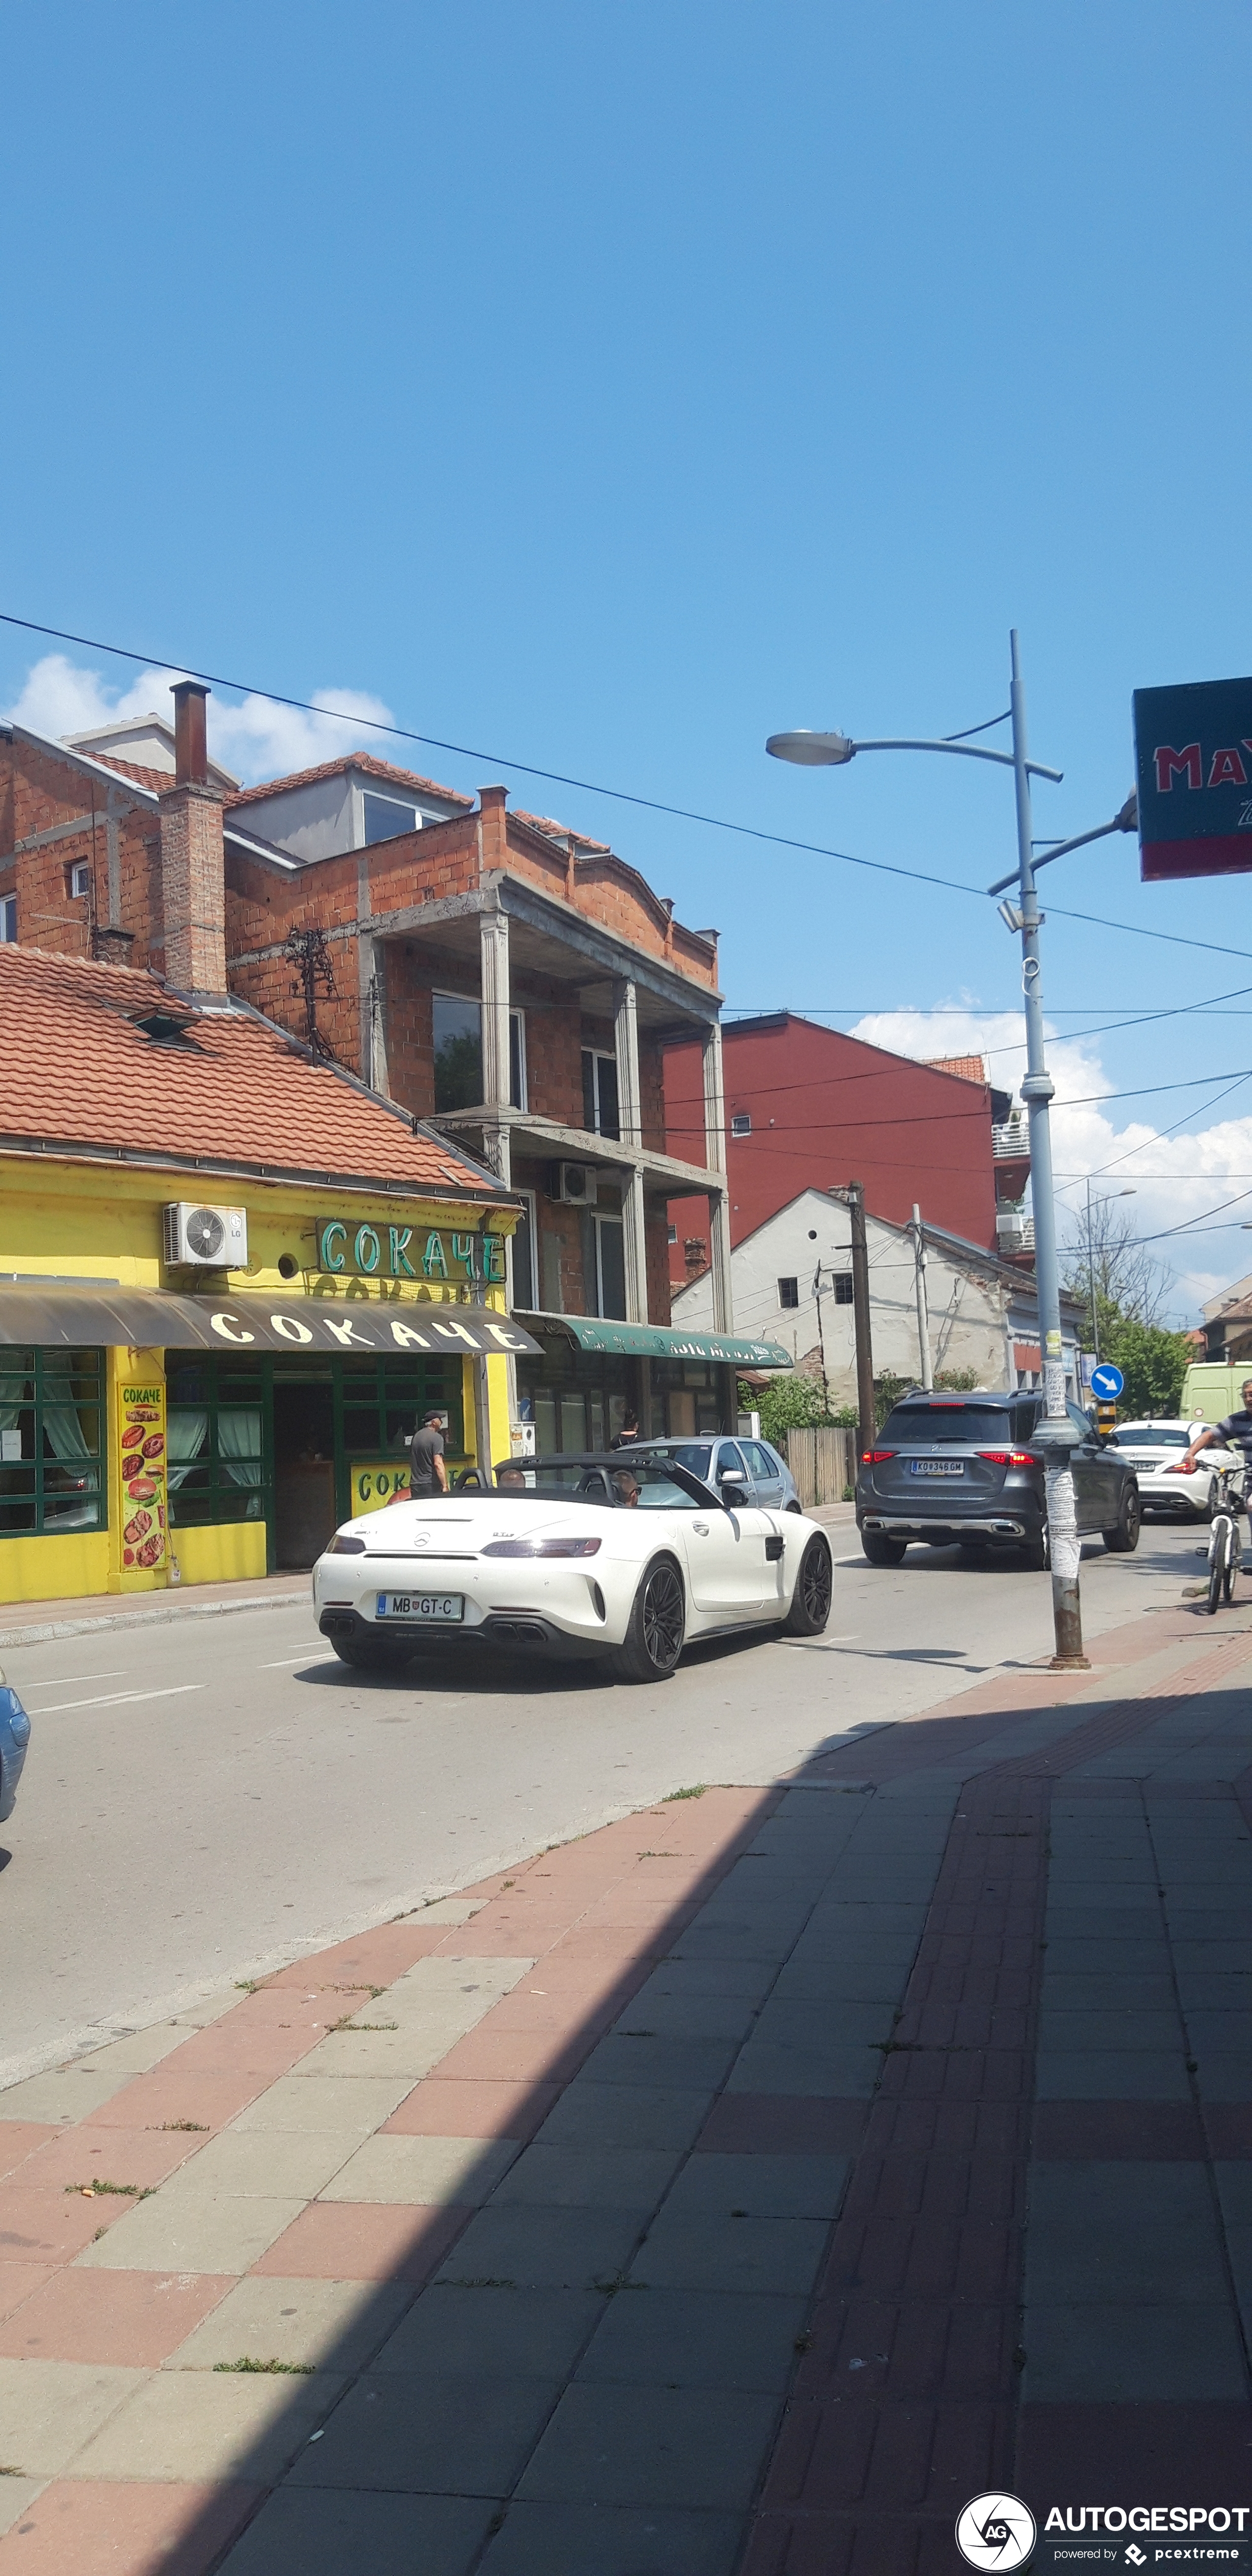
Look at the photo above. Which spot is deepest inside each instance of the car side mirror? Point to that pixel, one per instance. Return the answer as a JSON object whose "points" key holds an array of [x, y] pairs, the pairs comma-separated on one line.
{"points": [[733, 1489]]}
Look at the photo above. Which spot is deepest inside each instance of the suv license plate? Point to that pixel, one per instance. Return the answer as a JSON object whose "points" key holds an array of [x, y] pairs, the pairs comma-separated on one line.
{"points": [[441, 1608], [936, 1466]]}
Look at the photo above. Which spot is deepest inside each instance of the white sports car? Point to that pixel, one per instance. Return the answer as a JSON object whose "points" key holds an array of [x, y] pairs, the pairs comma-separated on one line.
{"points": [[1154, 1449], [624, 1557]]}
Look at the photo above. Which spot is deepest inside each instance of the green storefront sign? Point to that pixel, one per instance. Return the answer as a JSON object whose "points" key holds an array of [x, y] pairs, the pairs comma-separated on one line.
{"points": [[404, 1252]]}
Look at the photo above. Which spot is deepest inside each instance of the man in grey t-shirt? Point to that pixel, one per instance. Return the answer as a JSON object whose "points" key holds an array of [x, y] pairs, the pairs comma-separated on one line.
{"points": [[427, 1472]]}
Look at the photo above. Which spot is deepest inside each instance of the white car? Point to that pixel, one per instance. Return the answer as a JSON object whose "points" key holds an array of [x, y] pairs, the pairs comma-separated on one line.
{"points": [[623, 1557], [1154, 1449]]}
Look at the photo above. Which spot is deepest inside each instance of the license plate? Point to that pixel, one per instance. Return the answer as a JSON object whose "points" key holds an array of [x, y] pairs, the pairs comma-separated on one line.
{"points": [[443, 1609], [936, 1466]]}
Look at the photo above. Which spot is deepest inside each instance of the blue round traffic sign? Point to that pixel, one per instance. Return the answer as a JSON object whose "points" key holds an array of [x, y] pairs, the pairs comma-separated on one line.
{"points": [[1107, 1382]]}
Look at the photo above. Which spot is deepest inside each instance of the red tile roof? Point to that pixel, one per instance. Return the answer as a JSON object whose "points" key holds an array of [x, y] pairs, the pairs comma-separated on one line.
{"points": [[79, 1075], [159, 779], [337, 769], [559, 831], [969, 1068]]}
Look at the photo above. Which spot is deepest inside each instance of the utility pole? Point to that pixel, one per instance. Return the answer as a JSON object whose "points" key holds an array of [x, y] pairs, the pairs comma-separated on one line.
{"points": [[1054, 1435], [923, 1317], [855, 1195], [1095, 1320]]}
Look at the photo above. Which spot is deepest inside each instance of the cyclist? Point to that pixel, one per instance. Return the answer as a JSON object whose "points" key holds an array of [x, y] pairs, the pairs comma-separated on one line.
{"points": [[1234, 1433]]}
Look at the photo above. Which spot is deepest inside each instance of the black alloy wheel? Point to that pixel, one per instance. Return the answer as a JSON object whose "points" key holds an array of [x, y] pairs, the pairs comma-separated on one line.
{"points": [[814, 1591], [658, 1624], [1123, 1538]]}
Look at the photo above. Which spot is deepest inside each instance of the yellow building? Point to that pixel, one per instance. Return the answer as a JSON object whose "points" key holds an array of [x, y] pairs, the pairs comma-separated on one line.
{"points": [[232, 1280]]}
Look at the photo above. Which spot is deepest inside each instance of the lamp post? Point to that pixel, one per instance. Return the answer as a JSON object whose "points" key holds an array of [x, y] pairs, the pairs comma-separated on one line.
{"points": [[1055, 1435], [1095, 1317]]}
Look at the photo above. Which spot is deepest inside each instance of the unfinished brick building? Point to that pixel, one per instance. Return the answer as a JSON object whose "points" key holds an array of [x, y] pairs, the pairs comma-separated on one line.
{"points": [[514, 982]]}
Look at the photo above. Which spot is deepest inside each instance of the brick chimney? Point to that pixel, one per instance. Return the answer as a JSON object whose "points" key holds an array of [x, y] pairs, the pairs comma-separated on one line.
{"points": [[493, 828], [193, 866]]}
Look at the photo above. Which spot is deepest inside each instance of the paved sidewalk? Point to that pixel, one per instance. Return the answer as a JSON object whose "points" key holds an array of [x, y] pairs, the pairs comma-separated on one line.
{"points": [[734, 2192]]}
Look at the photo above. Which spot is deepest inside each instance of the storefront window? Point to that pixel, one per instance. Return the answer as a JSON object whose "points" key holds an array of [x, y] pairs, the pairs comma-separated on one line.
{"points": [[218, 1464], [51, 1440], [384, 1401]]}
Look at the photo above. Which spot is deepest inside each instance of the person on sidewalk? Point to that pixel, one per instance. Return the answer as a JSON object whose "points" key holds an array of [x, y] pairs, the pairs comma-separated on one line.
{"points": [[427, 1472], [629, 1432], [1234, 1433]]}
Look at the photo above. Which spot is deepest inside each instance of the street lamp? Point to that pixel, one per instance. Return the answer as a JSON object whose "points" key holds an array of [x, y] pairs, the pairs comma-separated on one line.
{"points": [[1107, 1201], [1055, 1435]]}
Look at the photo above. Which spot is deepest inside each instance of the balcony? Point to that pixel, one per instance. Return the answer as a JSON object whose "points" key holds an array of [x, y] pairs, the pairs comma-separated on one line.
{"points": [[1010, 1155]]}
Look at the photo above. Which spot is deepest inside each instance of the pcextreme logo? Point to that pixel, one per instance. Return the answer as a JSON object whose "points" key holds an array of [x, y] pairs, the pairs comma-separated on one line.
{"points": [[996, 2530]]}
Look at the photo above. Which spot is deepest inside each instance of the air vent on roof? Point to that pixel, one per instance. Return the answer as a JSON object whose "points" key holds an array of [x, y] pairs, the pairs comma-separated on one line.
{"points": [[163, 1027]]}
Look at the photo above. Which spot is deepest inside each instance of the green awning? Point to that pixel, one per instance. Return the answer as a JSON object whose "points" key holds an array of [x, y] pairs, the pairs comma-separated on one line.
{"points": [[661, 1342]]}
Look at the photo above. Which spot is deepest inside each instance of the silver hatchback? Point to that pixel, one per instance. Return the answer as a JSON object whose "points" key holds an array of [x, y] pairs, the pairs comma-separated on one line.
{"points": [[766, 1478]]}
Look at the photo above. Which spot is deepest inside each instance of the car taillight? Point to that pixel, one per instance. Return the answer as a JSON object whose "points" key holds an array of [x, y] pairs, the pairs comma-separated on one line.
{"points": [[1022, 1458], [1007, 1457], [343, 1545], [874, 1457]]}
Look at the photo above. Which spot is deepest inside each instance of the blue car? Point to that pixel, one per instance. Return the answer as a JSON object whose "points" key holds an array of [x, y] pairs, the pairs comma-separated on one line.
{"points": [[14, 1738]]}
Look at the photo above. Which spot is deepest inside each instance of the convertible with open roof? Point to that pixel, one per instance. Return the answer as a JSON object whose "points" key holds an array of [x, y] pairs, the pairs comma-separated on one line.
{"points": [[626, 1556]]}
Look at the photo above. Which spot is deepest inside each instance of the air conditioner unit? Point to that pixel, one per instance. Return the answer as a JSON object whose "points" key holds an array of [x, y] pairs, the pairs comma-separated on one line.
{"points": [[1010, 1229], [205, 1238], [574, 1184]]}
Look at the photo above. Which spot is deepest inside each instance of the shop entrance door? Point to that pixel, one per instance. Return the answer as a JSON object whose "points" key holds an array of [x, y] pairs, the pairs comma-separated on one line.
{"points": [[305, 1516]]}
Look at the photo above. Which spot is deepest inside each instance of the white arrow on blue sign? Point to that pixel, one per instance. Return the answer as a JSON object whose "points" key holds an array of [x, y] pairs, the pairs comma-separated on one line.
{"points": [[1107, 1382]]}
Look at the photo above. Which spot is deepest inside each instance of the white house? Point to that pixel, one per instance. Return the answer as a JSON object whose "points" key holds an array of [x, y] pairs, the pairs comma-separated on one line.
{"points": [[792, 1281]]}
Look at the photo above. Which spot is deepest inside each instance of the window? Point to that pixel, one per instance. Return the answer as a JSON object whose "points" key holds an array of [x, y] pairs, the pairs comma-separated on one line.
{"points": [[525, 1285], [843, 1288], [8, 919], [610, 1268], [788, 1292], [672, 1236], [458, 1025], [386, 818], [219, 1469], [51, 1440], [80, 878], [741, 1124], [600, 1107]]}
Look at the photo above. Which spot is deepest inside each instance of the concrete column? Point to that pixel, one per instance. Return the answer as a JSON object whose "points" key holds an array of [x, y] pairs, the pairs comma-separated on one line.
{"points": [[714, 1100], [493, 938], [630, 1125], [719, 1261], [626, 1046]]}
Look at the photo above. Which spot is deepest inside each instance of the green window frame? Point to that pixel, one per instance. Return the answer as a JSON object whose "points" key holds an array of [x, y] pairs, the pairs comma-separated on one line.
{"points": [[380, 1402], [218, 1423], [52, 1442]]}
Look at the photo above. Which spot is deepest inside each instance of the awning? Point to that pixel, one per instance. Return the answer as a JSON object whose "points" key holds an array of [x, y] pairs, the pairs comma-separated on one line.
{"points": [[662, 1342], [85, 1315]]}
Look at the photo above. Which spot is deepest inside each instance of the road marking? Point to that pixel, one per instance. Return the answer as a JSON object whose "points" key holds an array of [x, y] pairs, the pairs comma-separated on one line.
{"points": [[280, 1660], [61, 1681], [115, 1699]]}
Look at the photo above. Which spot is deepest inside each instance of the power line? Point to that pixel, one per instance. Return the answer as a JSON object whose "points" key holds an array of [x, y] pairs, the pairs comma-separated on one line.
{"points": [[591, 787]]}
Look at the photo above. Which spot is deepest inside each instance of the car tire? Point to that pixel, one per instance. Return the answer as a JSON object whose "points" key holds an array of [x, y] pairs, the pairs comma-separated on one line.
{"points": [[658, 1621], [373, 1654], [1123, 1538], [1037, 1551], [813, 1592], [882, 1550]]}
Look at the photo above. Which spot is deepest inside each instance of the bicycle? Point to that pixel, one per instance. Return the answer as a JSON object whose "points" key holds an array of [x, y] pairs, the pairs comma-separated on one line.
{"points": [[1225, 1548]]}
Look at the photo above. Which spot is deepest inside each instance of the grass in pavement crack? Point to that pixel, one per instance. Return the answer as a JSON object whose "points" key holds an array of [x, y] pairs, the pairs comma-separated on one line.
{"points": [[273, 2368], [348, 2023], [675, 1794], [198, 2128]]}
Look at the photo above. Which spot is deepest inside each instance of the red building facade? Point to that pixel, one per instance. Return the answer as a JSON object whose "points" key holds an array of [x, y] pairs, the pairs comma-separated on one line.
{"points": [[807, 1107]]}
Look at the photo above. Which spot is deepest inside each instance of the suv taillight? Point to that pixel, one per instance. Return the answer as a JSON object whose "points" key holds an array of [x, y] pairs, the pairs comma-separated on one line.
{"points": [[874, 1457], [1007, 1457]]}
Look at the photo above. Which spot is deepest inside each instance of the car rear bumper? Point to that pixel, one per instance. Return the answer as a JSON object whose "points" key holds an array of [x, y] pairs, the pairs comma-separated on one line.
{"points": [[518, 1631], [1011, 1528]]}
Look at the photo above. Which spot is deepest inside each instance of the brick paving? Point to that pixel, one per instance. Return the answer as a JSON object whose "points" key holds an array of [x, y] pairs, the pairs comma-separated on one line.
{"points": [[734, 2192]]}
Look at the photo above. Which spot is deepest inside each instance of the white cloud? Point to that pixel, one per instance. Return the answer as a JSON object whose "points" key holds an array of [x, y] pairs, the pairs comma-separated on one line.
{"points": [[254, 738], [1174, 1177]]}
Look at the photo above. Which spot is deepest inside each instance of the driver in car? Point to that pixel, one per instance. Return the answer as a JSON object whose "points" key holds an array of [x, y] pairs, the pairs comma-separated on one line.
{"points": [[627, 1488], [1234, 1433]]}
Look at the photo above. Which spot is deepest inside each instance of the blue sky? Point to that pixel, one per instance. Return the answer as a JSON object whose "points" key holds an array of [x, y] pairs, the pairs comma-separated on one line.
{"points": [[607, 387]]}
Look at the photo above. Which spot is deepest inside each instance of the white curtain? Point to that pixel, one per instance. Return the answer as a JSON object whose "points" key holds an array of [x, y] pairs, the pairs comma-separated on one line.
{"points": [[187, 1429], [63, 1432], [239, 1448]]}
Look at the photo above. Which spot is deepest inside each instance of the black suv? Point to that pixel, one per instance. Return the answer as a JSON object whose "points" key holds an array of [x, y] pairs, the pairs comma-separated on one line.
{"points": [[959, 1469]]}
